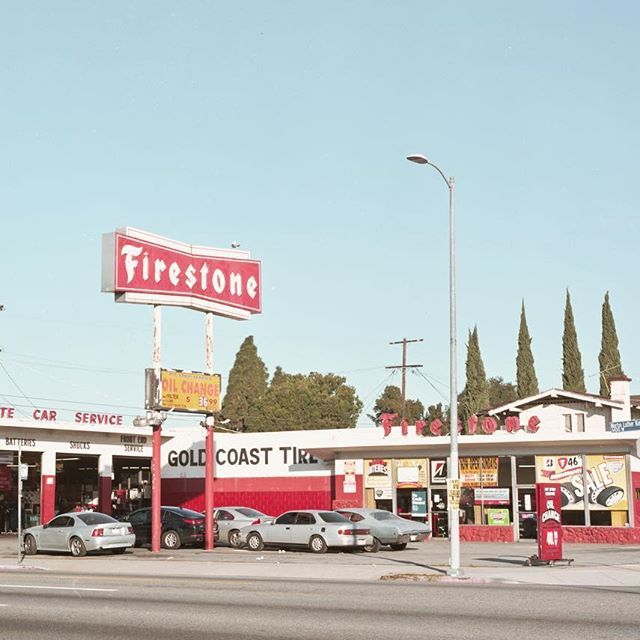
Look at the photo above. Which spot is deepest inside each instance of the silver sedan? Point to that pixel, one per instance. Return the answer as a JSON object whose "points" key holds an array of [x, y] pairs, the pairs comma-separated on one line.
{"points": [[387, 528], [315, 530], [229, 521], [79, 532]]}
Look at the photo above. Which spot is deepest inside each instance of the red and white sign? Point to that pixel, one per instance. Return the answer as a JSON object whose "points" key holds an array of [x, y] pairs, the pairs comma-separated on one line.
{"points": [[141, 267], [549, 505]]}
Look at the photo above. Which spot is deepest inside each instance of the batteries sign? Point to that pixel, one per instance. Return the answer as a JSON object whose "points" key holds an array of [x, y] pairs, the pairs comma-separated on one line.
{"points": [[183, 391]]}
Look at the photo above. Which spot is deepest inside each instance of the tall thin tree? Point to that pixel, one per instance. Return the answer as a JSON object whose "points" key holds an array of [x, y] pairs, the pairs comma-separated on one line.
{"points": [[526, 378], [609, 358], [572, 372], [475, 395]]}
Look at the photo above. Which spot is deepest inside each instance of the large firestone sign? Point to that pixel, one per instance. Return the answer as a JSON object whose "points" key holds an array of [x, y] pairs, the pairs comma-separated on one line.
{"points": [[141, 267]]}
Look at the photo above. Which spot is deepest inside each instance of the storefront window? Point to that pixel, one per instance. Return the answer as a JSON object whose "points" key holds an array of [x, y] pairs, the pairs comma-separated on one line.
{"points": [[526, 470]]}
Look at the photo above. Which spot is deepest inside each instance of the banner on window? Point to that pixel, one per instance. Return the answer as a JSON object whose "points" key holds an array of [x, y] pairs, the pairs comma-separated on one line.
{"points": [[479, 472], [606, 480]]}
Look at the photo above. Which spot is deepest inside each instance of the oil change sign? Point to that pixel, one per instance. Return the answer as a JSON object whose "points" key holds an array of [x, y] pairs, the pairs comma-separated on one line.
{"points": [[184, 391], [606, 480]]}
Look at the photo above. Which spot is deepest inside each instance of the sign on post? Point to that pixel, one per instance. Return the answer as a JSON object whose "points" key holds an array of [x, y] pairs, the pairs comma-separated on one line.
{"points": [[183, 391], [453, 489], [549, 505]]}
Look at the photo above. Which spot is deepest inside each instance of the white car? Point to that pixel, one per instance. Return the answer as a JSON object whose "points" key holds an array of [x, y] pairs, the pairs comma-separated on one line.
{"points": [[315, 530], [229, 521], [78, 533]]}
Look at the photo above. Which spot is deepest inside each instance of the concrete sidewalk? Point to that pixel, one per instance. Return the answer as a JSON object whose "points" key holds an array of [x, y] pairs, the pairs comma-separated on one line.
{"points": [[603, 566]]}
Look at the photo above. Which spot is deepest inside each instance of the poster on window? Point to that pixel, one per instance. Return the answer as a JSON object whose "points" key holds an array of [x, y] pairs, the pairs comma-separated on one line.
{"points": [[349, 479], [411, 473], [438, 471], [606, 480], [377, 474], [479, 472]]}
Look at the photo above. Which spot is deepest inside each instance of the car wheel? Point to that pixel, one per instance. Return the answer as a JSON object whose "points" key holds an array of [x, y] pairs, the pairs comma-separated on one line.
{"points": [[77, 548], [118, 551], [399, 547], [374, 547], [30, 546], [171, 539], [234, 539], [254, 542], [317, 544]]}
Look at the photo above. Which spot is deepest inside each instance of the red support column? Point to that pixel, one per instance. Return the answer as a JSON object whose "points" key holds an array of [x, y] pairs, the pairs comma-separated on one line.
{"points": [[156, 495], [104, 494], [209, 534], [47, 498]]}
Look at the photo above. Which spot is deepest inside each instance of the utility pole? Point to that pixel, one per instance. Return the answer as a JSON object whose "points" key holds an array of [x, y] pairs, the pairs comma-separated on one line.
{"points": [[404, 366]]}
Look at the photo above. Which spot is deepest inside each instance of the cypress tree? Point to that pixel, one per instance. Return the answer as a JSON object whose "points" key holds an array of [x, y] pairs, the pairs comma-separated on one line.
{"points": [[246, 388], [526, 379], [572, 372], [609, 358], [475, 395]]}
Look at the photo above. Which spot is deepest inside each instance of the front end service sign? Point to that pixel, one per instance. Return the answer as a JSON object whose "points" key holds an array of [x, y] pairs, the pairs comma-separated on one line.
{"points": [[183, 391]]}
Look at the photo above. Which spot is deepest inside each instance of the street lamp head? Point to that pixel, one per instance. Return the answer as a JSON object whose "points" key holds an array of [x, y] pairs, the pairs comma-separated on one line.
{"points": [[417, 158]]}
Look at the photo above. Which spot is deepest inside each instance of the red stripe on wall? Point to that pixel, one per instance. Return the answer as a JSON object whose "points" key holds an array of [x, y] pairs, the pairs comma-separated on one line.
{"points": [[269, 495]]}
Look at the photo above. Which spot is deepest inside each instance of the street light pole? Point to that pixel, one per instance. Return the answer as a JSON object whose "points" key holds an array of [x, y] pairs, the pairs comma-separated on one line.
{"points": [[452, 473]]}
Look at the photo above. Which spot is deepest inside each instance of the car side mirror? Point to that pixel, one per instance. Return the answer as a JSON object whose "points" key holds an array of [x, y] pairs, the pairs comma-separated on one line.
{"points": [[45, 526]]}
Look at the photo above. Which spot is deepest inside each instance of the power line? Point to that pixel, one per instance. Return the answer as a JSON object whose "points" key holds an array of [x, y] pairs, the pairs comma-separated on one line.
{"points": [[16, 385]]}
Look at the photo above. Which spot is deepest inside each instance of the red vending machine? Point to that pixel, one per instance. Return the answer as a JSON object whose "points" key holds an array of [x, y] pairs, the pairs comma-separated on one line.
{"points": [[549, 505]]}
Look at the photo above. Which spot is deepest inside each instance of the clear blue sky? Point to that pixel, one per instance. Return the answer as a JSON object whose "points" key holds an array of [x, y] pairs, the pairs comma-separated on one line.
{"points": [[284, 126]]}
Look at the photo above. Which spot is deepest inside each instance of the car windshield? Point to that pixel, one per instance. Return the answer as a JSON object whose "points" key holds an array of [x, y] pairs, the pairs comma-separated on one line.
{"points": [[250, 513], [384, 515], [95, 518], [330, 516]]}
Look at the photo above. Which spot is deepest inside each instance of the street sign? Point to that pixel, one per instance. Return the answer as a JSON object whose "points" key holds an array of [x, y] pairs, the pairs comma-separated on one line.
{"points": [[453, 488], [626, 425], [183, 391]]}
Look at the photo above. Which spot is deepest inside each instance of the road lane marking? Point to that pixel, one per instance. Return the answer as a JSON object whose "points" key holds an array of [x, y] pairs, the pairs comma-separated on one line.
{"points": [[35, 586], [4, 605]]}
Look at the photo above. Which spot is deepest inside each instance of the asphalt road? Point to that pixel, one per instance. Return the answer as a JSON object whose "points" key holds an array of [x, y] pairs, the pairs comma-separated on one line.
{"points": [[34, 606]]}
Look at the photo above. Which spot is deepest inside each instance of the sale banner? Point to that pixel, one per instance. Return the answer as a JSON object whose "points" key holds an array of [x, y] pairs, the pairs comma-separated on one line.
{"points": [[606, 480]]}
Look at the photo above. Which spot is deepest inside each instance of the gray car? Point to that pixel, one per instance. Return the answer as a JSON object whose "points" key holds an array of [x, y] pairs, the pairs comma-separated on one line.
{"points": [[229, 521], [79, 532], [315, 530], [387, 528]]}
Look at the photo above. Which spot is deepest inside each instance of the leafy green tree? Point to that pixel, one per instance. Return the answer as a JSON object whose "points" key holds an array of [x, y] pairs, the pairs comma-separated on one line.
{"points": [[526, 378], [246, 388], [475, 395], [572, 372], [500, 392], [609, 358], [315, 401], [433, 412], [390, 401]]}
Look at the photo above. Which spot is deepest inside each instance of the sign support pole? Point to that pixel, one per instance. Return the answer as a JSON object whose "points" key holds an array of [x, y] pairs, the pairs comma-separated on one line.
{"points": [[209, 534], [156, 494], [19, 502]]}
